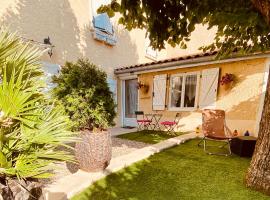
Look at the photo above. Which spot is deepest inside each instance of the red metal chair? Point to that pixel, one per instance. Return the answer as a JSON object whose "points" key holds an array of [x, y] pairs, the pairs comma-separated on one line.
{"points": [[142, 121], [170, 125]]}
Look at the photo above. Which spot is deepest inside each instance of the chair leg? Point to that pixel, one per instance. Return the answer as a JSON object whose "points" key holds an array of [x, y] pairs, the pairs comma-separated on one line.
{"points": [[229, 145], [213, 153], [170, 129], [199, 144], [140, 127], [147, 126]]}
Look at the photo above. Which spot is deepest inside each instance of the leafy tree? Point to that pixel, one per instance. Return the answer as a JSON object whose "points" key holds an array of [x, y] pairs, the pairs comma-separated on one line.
{"points": [[84, 92], [30, 129], [243, 26], [239, 23]]}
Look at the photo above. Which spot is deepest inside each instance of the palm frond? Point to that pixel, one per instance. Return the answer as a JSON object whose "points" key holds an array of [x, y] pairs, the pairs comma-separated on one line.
{"points": [[31, 130]]}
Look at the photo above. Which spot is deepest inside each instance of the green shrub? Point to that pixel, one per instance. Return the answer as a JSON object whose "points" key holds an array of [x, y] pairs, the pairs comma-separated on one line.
{"points": [[31, 130], [84, 92]]}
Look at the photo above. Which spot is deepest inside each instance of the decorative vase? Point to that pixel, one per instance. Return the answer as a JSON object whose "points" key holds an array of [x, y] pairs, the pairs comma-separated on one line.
{"points": [[94, 152], [247, 133], [145, 89]]}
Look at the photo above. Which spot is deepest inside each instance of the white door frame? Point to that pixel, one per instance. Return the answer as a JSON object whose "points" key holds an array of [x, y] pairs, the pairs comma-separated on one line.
{"points": [[123, 79]]}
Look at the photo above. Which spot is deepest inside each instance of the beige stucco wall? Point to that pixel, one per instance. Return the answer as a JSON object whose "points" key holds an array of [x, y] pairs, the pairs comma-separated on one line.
{"points": [[68, 24], [241, 102], [200, 37]]}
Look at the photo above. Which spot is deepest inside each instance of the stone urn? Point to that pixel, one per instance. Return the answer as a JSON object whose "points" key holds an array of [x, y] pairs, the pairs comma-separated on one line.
{"points": [[94, 151]]}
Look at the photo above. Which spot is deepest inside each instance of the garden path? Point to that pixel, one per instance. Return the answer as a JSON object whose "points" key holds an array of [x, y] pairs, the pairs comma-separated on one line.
{"points": [[67, 186]]}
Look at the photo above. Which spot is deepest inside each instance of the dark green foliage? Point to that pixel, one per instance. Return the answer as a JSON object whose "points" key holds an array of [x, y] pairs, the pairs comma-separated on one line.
{"points": [[180, 173], [240, 26], [84, 92]]}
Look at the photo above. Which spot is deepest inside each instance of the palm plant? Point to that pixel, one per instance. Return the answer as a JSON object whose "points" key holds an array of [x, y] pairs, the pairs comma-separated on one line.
{"points": [[31, 130]]}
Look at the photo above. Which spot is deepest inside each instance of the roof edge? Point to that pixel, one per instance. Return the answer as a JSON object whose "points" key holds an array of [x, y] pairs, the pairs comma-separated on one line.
{"points": [[185, 62]]}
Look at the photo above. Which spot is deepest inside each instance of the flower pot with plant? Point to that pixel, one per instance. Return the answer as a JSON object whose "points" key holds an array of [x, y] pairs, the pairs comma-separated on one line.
{"points": [[143, 86], [84, 92], [227, 80]]}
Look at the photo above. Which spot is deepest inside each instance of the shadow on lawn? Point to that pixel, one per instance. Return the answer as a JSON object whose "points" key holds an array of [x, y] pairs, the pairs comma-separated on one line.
{"points": [[183, 172], [109, 188]]}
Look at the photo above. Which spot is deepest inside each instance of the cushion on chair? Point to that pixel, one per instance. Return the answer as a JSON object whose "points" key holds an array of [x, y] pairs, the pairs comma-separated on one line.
{"points": [[169, 123]]}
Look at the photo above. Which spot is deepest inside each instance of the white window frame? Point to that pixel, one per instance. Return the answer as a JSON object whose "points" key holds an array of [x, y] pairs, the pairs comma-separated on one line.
{"points": [[182, 108], [149, 48]]}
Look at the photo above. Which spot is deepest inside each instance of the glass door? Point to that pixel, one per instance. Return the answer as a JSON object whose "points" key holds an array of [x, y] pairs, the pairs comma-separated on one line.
{"points": [[130, 98]]}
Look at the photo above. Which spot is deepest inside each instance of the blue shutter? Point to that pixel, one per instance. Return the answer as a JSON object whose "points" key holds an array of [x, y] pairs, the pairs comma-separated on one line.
{"points": [[103, 23]]}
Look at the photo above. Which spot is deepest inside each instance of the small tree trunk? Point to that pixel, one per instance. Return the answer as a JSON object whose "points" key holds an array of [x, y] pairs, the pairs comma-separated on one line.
{"points": [[258, 176]]}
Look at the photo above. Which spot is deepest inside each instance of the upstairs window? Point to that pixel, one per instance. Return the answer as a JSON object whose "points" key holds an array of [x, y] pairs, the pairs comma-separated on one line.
{"points": [[103, 28], [183, 91], [149, 51]]}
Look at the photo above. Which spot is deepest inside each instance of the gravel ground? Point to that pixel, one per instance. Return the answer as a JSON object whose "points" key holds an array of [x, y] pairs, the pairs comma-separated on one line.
{"points": [[119, 147]]}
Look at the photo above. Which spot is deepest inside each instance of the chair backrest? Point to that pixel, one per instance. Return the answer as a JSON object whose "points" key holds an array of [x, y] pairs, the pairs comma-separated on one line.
{"points": [[177, 118], [139, 114], [213, 123]]}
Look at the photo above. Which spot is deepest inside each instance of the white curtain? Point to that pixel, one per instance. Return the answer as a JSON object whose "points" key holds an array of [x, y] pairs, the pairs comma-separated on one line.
{"points": [[190, 90], [131, 98], [176, 92]]}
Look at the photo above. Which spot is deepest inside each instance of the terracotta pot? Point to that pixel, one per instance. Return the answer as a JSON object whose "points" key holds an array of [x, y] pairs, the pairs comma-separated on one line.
{"points": [[94, 152], [145, 89], [228, 86]]}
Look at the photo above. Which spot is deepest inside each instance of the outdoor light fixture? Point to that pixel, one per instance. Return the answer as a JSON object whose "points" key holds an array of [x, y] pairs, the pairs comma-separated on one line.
{"points": [[47, 41]]}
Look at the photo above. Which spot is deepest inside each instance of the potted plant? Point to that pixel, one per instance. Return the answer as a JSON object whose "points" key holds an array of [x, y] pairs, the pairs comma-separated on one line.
{"points": [[84, 92], [227, 80], [31, 130], [144, 87]]}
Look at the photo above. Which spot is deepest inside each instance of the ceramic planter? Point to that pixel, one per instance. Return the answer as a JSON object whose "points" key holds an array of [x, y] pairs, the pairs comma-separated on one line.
{"points": [[94, 152]]}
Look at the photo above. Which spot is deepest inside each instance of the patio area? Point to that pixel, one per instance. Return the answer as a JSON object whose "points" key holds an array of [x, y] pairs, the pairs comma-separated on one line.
{"points": [[182, 172], [124, 153], [149, 136]]}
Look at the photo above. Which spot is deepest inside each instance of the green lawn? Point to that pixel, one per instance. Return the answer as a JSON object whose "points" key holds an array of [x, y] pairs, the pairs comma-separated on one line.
{"points": [[184, 172], [148, 136]]}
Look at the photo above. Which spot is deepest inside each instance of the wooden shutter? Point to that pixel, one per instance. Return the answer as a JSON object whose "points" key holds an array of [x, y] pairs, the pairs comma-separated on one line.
{"points": [[159, 92], [208, 89]]}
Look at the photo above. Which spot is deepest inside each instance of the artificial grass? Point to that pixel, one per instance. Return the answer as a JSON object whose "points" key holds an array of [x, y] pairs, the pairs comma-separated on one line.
{"points": [[184, 172], [149, 136]]}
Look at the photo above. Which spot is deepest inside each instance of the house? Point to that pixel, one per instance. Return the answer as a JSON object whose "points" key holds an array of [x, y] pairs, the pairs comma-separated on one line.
{"points": [[71, 29], [188, 84]]}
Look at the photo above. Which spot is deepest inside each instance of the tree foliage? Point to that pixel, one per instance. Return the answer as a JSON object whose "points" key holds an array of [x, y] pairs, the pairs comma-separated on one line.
{"points": [[84, 92], [243, 26], [30, 129], [240, 26]]}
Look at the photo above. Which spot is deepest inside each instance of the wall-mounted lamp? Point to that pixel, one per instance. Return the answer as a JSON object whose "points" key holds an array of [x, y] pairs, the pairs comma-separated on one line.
{"points": [[47, 41]]}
